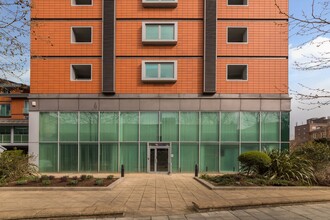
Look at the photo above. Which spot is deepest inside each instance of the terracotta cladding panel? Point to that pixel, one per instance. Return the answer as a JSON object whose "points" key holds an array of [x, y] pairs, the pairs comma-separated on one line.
{"points": [[17, 106], [264, 76], [129, 40], [255, 9], [185, 9], [267, 38], [4, 100], [64, 9], [128, 78], [53, 38], [53, 76]]}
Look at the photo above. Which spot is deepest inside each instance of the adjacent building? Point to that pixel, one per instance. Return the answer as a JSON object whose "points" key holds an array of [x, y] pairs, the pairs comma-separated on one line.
{"points": [[315, 129], [14, 114], [157, 85]]}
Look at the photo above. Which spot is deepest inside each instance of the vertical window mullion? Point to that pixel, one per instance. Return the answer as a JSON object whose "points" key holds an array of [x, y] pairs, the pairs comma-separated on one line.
{"points": [[159, 32], [159, 70]]}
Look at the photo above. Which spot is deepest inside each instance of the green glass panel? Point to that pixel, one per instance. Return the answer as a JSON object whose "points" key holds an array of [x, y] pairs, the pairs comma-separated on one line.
{"points": [[249, 147], [109, 157], [152, 70], [189, 126], [5, 110], [229, 155], [188, 157], [88, 126], [270, 126], [149, 126], [167, 70], [69, 157], [48, 157], [152, 32], [250, 126], [88, 157], [175, 158], [169, 126], [285, 147], [129, 156], [48, 126], [5, 134], [68, 126], [21, 134], [209, 155], [129, 127], [109, 126], [229, 126], [167, 32], [210, 126], [268, 147], [143, 157], [285, 126]]}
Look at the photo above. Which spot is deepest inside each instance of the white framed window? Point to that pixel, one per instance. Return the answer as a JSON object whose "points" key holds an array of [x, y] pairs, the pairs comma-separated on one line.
{"points": [[237, 2], [159, 33], [82, 35], [238, 72], [82, 2], [81, 72], [161, 71], [160, 3], [5, 110], [237, 34]]}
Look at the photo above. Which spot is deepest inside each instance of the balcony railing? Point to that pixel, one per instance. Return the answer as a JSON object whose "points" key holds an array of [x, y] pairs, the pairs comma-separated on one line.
{"points": [[21, 138], [4, 138]]}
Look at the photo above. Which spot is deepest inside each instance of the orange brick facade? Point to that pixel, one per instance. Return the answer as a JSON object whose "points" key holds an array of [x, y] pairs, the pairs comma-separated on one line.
{"points": [[265, 53]]}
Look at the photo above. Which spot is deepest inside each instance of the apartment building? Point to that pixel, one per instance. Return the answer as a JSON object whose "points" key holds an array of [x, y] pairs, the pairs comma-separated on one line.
{"points": [[314, 129], [157, 85], [14, 110]]}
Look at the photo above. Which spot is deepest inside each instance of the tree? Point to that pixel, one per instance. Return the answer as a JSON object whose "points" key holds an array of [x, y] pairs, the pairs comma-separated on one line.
{"points": [[14, 41]]}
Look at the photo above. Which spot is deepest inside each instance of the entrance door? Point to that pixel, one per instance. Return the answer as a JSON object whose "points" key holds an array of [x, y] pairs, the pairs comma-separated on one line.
{"points": [[159, 157]]}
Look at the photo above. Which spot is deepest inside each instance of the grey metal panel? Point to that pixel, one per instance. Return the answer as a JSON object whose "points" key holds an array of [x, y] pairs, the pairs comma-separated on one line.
{"points": [[170, 104], [68, 104], [109, 104], [191, 104], [285, 105], [88, 104], [35, 108], [210, 46], [108, 62], [270, 105], [129, 104], [250, 105], [210, 105], [48, 104], [231, 105], [34, 136], [149, 104]]}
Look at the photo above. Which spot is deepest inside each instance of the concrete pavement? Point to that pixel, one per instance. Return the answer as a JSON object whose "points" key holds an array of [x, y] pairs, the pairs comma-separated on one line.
{"points": [[141, 195]]}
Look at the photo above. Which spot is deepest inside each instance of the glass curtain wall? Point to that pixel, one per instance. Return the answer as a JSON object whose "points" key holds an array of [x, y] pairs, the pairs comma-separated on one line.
{"points": [[102, 141]]}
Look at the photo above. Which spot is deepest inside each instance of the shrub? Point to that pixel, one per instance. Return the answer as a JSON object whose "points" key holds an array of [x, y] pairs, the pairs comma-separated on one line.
{"points": [[44, 177], [83, 177], [110, 177], [317, 153], [51, 177], [46, 182], [64, 178], [255, 162], [21, 182], [73, 182], [99, 182], [15, 165], [287, 166], [89, 176], [74, 178]]}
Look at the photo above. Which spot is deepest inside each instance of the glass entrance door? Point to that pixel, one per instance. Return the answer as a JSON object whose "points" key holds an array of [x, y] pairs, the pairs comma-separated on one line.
{"points": [[159, 157]]}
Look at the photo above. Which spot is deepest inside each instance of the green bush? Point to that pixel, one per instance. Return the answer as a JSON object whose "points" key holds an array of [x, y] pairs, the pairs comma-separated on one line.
{"points": [[73, 182], [89, 177], [254, 162], [83, 177], [21, 182], [99, 182], [15, 165], [46, 182], [286, 166], [110, 177]]}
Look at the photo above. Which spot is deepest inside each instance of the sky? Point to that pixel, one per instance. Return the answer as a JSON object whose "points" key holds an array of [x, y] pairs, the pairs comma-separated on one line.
{"points": [[297, 52], [313, 79]]}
